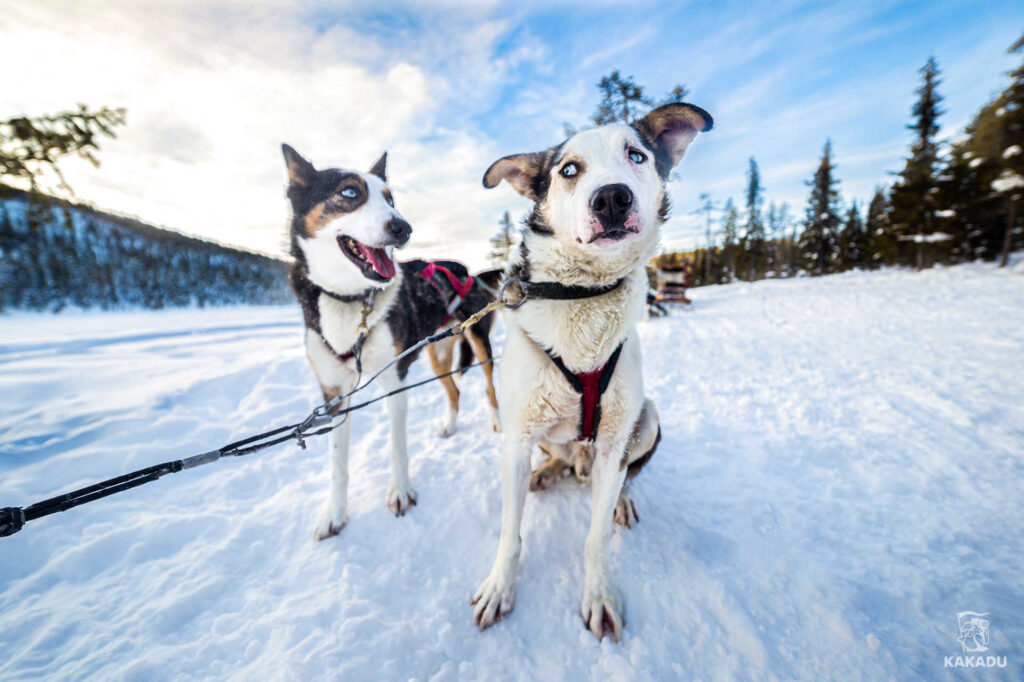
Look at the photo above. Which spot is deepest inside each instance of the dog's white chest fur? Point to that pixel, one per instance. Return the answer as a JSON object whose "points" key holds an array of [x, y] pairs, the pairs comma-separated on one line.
{"points": [[584, 333], [339, 320]]}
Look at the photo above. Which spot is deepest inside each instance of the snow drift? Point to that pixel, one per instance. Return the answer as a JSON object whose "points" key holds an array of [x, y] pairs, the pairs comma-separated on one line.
{"points": [[840, 475]]}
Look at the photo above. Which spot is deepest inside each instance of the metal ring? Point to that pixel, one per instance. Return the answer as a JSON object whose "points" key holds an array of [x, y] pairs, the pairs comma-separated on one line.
{"points": [[504, 286]]}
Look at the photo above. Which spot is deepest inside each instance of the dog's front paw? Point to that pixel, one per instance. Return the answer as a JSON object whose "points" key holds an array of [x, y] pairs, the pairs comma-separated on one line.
{"points": [[401, 499], [330, 523], [602, 611], [625, 511], [495, 421], [494, 599]]}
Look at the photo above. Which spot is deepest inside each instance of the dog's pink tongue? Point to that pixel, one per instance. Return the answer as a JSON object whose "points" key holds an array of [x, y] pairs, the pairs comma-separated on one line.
{"points": [[378, 258]]}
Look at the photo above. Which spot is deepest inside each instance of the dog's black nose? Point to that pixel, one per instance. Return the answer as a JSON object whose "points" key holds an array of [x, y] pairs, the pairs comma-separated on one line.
{"points": [[399, 230], [611, 204]]}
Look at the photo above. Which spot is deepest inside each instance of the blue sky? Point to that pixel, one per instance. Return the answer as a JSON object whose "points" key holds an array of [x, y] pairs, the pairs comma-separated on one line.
{"points": [[212, 88]]}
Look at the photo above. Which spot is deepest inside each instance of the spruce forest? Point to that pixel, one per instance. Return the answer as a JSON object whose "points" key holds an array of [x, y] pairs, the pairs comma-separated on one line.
{"points": [[951, 203], [55, 253]]}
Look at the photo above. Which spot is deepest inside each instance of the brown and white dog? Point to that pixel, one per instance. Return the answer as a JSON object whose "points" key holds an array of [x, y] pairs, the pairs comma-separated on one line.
{"points": [[599, 202], [344, 230]]}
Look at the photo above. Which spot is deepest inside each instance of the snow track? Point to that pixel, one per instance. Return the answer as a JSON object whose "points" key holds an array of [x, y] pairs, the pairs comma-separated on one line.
{"points": [[840, 474]]}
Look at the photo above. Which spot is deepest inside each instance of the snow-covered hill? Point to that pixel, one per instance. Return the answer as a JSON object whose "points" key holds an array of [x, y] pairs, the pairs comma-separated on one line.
{"points": [[840, 475]]}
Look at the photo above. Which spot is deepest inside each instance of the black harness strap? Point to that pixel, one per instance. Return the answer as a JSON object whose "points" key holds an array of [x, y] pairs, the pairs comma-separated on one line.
{"points": [[591, 386]]}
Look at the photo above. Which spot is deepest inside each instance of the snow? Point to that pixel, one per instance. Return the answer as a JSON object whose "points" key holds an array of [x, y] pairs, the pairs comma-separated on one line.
{"points": [[840, 474], [935, 237], [1011, 151], [1007, 180]]}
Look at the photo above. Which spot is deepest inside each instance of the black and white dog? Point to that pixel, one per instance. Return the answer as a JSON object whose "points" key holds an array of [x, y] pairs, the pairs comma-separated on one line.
{"points": [[344, 230], [571, 367]]}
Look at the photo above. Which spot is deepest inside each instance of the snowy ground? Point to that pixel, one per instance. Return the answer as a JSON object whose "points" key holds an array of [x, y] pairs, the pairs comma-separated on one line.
{"points": [[841, 473]]}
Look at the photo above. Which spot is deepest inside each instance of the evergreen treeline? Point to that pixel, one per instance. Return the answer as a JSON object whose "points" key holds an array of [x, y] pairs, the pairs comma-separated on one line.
{"points": [[69, 254], [942, 208]]}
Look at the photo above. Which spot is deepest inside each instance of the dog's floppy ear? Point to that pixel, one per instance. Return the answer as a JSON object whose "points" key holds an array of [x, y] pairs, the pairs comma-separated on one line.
{"points": [[300, 171], [520, 170], [672, 128], [380, 168]]}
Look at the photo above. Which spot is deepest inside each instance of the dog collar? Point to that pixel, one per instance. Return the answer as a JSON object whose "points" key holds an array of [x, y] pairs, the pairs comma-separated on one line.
{"points": [[556, 291], [347, 298]]}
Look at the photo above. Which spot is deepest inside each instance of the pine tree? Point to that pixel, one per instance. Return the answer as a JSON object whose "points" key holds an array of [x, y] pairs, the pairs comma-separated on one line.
{"points": [[730, 228], [502, 243], [853, 243], [913, 197], [778, 245], [31, 146], [881, 243], [1013, 152], [753, 246], [994, 145], [676, 95], [821, 223], [621, 100]]}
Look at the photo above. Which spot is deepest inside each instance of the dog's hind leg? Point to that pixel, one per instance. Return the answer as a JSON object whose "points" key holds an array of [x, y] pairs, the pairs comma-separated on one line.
{"points": [[401, 496], [333, 518], [482, 350], [642, 443], [440, 355]]}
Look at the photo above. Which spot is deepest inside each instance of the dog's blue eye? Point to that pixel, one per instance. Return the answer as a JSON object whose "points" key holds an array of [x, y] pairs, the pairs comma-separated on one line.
{"points": [[390, 200], [349, 193], [636, 156], [569, 170]]}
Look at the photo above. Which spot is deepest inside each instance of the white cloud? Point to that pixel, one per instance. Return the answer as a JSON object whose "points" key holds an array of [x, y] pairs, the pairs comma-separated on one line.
{"points": [[210, 100], [213, 87]]}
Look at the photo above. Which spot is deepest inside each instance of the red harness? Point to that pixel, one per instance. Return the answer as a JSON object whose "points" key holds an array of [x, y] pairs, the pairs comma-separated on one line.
{"points": [[461, 288], [591, 386]]}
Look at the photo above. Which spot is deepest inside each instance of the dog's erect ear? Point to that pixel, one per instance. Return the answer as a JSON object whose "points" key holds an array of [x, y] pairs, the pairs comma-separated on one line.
{"points": [[672, 128], [380, 168], [520, 170], [300, 171]]}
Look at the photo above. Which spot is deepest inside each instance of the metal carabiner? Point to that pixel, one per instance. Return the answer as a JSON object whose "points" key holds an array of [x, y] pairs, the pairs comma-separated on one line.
{"points": [[504, 286]]}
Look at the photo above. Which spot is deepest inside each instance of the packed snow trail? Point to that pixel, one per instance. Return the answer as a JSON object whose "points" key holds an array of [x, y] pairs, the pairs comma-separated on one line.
{"points": [[840, 474]]}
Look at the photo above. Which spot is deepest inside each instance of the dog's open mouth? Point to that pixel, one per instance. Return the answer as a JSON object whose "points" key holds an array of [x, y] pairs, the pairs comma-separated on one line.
{"points": [[613, 234], [374, 262]]}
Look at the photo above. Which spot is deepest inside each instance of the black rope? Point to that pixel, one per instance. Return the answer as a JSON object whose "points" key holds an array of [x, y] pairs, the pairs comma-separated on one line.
{"points": [[12, 519]]}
